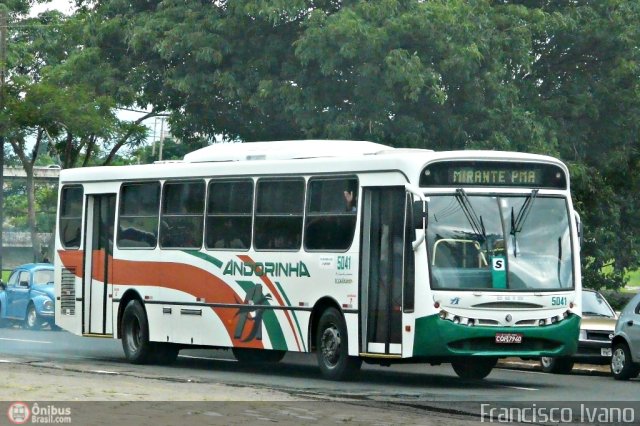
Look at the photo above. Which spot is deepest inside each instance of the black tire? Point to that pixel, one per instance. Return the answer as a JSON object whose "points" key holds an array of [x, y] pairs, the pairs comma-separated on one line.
{"points": [[3, 322], [556, 365], [475, 368], [253, 356], [165, 353], [622, 366], [135, 334], [332, 348], [32, 321]]}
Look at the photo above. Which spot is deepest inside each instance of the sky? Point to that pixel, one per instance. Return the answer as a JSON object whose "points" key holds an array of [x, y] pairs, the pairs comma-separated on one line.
{"points": [[61, 5], [66, 6]]}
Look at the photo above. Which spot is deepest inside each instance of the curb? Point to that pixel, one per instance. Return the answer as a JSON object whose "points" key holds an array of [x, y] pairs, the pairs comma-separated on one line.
{"points": [[587, 369]]}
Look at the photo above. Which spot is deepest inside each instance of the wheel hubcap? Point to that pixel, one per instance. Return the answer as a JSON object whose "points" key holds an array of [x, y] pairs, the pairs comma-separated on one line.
{"points": [[31, 317], [617, 361], [330, 345]]}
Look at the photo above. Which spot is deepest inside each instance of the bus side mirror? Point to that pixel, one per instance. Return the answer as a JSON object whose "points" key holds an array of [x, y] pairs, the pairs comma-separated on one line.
{"points": [[419, 214]]}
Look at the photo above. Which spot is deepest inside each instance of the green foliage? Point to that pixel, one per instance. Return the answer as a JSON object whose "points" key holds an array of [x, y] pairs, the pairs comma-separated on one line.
{"points": [[617, 299], [559, 78]]}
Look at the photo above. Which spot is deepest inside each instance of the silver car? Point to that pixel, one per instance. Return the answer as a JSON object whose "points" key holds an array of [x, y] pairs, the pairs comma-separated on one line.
{"points": [[625, 362]]}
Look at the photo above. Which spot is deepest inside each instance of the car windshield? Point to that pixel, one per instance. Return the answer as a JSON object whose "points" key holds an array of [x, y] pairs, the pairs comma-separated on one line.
{"points": [[499, 242], [43, 277], [593, 304]]}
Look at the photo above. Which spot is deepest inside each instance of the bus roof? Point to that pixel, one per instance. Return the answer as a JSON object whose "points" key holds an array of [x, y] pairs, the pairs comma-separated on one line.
{"points": [[309, 156], [283, 150]]}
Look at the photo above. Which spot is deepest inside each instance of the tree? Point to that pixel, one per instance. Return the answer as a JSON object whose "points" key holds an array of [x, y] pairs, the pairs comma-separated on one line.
{"points": [[557, 78]]}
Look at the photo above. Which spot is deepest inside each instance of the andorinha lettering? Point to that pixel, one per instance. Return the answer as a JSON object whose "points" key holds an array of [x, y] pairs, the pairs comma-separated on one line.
{"points": [[489, 177], [259, 269]]}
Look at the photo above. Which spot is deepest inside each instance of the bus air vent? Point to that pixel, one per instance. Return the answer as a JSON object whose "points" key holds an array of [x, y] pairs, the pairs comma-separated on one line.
{"points": [[68, 292], [508, 305]]}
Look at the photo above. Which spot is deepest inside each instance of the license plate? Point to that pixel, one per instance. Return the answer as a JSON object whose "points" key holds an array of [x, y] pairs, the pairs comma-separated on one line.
{"points": [[605, 351], [508, 338]]}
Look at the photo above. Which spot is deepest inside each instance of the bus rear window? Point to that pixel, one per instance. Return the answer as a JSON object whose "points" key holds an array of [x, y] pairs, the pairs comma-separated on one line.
{"points": [[71, 216]]}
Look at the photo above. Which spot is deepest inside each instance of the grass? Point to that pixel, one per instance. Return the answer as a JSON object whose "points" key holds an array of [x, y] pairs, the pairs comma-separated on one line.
{"points": [[5, 276], [634, 278]]}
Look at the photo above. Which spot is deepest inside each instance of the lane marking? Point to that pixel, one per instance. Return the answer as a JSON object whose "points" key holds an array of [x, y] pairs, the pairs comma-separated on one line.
{"points": [[104, 372], [519, 388], [24, 340]]}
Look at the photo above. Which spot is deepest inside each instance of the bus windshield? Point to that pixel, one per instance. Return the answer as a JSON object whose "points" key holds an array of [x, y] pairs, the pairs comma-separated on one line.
{"points": [[517, 243]]}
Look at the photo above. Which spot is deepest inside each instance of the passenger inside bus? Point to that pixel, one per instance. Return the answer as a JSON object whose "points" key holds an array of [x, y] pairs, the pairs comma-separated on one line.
{"points": [[229, 239]]}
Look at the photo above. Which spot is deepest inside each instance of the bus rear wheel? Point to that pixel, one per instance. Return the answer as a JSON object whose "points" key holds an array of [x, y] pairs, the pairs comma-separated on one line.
{"points": [[135, 334], [475, 368], [332, 347]]}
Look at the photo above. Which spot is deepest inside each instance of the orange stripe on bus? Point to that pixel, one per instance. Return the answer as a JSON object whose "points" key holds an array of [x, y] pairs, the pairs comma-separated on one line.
{"points": [[176, 276]]}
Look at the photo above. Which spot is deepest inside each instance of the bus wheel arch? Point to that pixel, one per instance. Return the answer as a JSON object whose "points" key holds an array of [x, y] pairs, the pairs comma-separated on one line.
{"points": [[331, 345], [127, 297], [318, 309], [135, 333]]}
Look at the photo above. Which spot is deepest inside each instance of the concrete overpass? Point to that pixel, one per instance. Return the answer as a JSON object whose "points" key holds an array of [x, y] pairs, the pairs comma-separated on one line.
{"points": [[50, 173]]}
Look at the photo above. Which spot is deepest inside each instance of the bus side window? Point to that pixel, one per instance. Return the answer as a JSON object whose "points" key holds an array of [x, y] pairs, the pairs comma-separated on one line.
{"points": [[182, 215], [138, 215], [70, 225], [229, 214], [279, 211], [331, 213]]}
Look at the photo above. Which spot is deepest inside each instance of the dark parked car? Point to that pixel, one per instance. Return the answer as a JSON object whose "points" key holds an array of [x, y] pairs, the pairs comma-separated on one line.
{"points": [[625, 362], [596, 331], [28, 296]]}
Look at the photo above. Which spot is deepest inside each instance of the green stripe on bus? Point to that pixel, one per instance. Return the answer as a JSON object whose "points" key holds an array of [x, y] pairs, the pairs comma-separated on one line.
{"points": [[293, 313], [276, 336], [204, 256]]}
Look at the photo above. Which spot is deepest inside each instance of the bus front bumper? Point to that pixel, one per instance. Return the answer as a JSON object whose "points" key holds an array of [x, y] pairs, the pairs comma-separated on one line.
{"points": [[435, 337]]}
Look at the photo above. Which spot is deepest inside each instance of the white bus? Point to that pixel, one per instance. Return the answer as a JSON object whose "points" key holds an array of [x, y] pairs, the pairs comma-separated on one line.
{"points": [[353, 250]]}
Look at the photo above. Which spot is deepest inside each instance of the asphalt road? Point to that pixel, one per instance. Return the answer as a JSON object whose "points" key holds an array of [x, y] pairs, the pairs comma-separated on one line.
{"points": [[413, 388]]}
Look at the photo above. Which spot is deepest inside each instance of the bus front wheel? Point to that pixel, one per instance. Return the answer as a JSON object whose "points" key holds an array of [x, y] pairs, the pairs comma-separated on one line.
{"points": [[473, 367], [135, 334], [333, 349]]}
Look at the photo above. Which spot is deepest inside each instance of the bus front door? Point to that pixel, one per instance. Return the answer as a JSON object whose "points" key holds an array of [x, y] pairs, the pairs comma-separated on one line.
{"points": [[382, 270], [98, 269]]}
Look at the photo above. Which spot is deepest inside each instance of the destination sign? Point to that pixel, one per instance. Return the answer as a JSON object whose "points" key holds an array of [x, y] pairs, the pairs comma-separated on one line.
{"points": [[486, 173]]}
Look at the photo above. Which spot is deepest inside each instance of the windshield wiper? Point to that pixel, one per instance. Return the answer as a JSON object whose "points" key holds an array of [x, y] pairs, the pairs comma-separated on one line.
{"points": [[596, 314], [476, 222], [517, 221]]}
